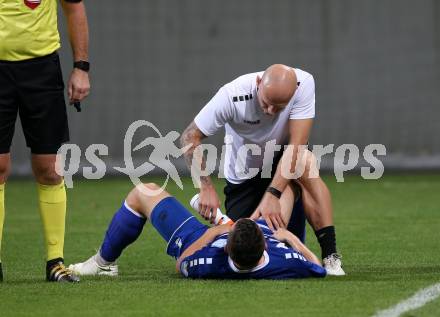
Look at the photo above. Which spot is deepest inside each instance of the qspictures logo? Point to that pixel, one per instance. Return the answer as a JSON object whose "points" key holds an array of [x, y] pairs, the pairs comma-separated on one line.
{"points": [[164, 149]]}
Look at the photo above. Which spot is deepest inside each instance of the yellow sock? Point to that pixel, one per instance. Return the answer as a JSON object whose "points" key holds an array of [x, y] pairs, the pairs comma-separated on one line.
{"points": [[2, 213], [52, 199]]}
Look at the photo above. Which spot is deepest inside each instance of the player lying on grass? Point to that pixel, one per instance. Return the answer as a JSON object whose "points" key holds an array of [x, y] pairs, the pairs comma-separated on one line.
{"points": [[246, 249]]}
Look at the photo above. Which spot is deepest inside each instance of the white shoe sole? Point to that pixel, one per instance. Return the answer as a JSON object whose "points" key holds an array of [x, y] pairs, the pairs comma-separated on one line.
{"points": [[340, 273], [112, 271]]}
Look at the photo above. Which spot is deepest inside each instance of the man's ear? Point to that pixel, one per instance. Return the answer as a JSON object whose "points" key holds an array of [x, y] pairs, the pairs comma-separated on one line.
{"points": [[258, 80]]}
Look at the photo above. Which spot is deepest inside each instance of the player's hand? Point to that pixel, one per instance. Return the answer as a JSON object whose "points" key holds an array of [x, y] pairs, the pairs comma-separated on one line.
{"points": [[270, 209], [281, 234], [79, 85], [221, 229], [208, 203]]}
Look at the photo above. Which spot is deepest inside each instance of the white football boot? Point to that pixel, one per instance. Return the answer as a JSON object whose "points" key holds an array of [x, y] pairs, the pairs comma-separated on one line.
{"points": [[91, 267], [333, 265]]}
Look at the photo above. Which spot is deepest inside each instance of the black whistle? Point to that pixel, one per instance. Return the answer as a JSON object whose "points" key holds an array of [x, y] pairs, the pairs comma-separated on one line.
{"points": [[77, 106]]}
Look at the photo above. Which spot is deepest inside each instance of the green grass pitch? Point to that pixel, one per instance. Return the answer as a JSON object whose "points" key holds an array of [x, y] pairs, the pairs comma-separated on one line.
{"points": [[388, 232]]}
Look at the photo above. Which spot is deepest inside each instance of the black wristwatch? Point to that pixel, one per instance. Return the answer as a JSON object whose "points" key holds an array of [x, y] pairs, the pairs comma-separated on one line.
{"points": [[83, 65], [274, 192]]}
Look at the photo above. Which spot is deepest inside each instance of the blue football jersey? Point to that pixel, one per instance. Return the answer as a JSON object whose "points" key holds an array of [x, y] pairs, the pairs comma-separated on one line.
{"points": [[280, 262]]}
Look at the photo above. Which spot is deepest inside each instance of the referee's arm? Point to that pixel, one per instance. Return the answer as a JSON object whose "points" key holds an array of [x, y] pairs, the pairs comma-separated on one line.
{"points": [[75, 12]]}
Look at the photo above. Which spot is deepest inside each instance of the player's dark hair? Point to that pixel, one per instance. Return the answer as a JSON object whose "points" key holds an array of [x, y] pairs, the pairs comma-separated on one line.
{"points": [[246, 244]]}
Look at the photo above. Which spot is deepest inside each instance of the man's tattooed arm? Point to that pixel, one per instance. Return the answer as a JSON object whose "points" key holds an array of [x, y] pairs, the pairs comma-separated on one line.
{"points": [[193, 136]]}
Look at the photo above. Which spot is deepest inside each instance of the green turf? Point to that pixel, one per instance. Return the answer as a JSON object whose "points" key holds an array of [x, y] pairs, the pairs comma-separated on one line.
{"points": [[387, 230]]}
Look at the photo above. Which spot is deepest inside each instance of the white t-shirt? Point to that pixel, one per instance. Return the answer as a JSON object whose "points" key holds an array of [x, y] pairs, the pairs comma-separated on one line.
{"points": [[236, 107]]}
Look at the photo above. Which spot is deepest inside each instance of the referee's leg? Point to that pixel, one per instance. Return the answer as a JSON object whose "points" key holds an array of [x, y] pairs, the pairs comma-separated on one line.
{"points": [[52, 203], [43, 117], [8, 116], [5, 164]]}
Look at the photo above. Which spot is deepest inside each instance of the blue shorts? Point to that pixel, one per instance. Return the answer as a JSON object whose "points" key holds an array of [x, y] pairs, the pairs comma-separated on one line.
{"points": [[176, 225]]}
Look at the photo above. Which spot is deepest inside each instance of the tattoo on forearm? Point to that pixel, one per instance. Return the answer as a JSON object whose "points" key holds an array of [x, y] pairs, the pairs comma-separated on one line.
{"points": [[192, 135], [189, 136]]}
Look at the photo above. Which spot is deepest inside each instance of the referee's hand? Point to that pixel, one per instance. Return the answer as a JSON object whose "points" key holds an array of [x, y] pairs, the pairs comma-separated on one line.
{"points": [[270, 209], [208, 203], [79, 85]]}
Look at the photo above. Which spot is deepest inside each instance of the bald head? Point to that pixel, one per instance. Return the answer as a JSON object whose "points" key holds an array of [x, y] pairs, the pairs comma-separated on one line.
{"points": [[278, 84]]}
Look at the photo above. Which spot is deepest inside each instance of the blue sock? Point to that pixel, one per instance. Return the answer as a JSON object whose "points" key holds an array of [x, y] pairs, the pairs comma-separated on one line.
{"points": [[124, 229]]}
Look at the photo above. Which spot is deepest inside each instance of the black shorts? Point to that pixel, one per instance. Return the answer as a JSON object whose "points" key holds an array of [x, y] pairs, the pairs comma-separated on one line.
{"points": [[35, 90], [241, 200]]}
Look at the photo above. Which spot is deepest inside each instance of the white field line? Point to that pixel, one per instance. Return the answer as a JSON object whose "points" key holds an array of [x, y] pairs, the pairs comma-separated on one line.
{"points": [[417, 300]]}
